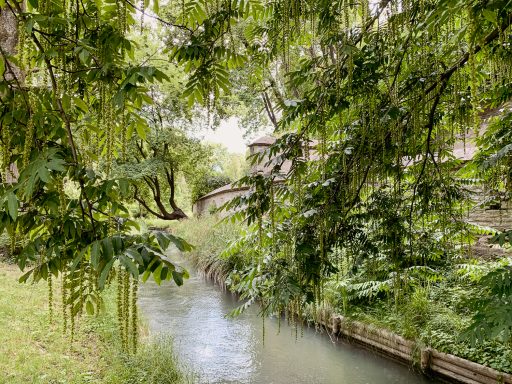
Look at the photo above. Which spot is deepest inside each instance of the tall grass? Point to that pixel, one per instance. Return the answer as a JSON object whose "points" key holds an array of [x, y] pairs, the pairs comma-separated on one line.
{"points": [[154, 363], [210, 236]]}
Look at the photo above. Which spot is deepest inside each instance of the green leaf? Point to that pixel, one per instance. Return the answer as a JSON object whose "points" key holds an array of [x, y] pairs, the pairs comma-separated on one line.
{"points": [[108, 248], [129, 265], [164, 273], [146, 275], [104, 274], [490, 16], [56, 164], [124, 186], [44, 175], [95, 254], [147, 272], [80, 104], [66, 102], [135, 255], [163, 239], [180, 243], [89, 307], [178, 278], [12, 205], [25, 276], [157, 274], [141, 130]]}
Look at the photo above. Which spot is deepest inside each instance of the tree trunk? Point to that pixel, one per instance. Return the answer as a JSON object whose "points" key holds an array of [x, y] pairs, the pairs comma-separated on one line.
{"points": [[8, 43]]}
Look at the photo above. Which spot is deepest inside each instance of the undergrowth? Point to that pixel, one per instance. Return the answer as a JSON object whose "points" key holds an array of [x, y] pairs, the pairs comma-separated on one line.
{"points": [[211, 236], [436, 317]]}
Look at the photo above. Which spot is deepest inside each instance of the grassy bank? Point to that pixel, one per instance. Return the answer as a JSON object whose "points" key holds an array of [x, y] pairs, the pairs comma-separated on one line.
{"points": [[34, 351]]}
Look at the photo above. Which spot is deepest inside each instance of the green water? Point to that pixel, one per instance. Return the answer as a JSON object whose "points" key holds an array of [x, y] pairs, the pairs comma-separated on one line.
{"points": [[224, 350]]}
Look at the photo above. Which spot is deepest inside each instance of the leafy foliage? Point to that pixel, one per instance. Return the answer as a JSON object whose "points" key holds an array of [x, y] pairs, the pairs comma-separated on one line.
{"points": [[71, 99], [368, 100], [492, 318]]}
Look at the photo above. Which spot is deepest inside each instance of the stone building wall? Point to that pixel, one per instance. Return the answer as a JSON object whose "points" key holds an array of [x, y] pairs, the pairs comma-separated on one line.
{"points": [[221, 195], [216, 199], [500, 218]]}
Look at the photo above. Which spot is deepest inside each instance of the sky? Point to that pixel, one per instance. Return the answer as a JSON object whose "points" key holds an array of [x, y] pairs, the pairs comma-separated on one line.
{"points": [[230, 135]]}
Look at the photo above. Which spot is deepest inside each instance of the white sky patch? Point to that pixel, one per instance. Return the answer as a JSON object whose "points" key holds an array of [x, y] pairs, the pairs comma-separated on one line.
{"points": [[228, 134]]}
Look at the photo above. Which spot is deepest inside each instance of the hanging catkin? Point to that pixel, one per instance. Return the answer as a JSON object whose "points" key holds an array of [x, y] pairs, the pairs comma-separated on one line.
{"points": [[109, 129], [81, 288], [29, 136], [272, 216], [120, 306], [71, 313], [64, 300], [50, 296], [472, 67], [126, 307], [6, 153], [123, 135], [22, 45], [135, 323]]}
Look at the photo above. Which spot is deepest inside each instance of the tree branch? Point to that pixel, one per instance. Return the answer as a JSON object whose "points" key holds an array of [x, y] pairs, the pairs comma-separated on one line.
{"points": [[143, 203], [170, 181]]}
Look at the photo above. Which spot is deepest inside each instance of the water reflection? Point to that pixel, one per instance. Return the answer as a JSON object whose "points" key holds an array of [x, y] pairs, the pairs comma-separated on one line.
{"points": [[224, 350]]}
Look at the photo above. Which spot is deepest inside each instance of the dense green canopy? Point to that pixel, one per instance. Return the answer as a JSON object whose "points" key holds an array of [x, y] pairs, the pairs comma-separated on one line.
{"points": [[381, 89]]}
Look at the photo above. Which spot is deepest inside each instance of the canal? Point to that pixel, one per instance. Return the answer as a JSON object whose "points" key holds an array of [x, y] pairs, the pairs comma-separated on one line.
{"points": [[224, 350]]}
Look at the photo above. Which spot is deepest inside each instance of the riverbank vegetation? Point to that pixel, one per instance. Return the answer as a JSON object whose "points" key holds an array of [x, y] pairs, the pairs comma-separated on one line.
{"points": [[34, 350], [364, 207], [94, 133], [437, 314], [369, 186]]}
